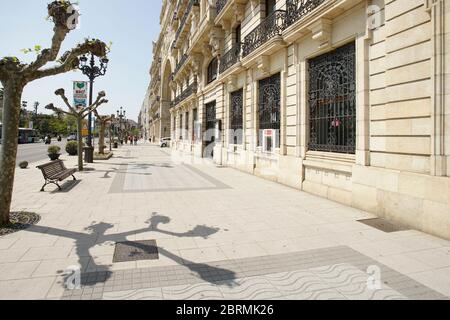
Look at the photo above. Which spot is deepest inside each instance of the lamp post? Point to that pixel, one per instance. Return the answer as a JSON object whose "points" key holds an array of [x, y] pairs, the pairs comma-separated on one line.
{"points": [[92, 72], [121, 115]]}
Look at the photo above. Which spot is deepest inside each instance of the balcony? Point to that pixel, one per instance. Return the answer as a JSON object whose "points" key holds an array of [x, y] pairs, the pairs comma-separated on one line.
{"points": [[230, 58], [191, 89], [184, 19], [297, 9], [220, 4], [270, 27], [180, 64]]}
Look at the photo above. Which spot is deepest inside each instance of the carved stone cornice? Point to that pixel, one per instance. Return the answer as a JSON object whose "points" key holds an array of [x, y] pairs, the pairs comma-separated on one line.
{"points": [[239, 12], [321, 31], [263, 64]]}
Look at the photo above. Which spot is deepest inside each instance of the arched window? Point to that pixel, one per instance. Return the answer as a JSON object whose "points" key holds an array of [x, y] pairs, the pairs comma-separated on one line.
{"points": [[212, 70]]}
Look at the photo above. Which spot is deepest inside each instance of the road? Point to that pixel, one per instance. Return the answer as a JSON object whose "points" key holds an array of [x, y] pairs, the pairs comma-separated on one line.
{"points": [[36, 152]]}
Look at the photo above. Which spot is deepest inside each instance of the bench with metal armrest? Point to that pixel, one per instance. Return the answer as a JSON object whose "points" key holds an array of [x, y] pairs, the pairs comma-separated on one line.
{"points": [[55, 172]]}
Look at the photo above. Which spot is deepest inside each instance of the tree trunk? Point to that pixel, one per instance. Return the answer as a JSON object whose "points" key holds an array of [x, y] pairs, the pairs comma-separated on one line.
{"points": [[101, 138], [8, 150], [80, 142]]}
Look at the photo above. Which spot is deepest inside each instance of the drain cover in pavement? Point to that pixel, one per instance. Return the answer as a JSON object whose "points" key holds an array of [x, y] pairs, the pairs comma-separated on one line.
{"points": [[136, 251], [383, 225]]}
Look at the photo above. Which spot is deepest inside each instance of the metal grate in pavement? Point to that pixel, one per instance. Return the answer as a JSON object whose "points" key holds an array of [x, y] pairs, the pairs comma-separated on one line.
{"points": [[136, 251], [383, 225]]}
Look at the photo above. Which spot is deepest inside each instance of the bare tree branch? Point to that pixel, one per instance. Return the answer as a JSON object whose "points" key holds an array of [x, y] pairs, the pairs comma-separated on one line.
{"points": [[60, 12], [57, 110], [70, 59], [48, 55], [9, 66], [95, 106], [61, 93]]}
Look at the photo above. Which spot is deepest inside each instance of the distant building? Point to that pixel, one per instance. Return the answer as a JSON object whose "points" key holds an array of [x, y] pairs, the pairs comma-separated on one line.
{"points": [[144, 118], [345, 99]]}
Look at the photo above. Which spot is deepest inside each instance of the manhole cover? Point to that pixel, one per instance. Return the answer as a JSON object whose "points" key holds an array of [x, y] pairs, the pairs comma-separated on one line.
{"points": [[136, 251], [383, 225]]}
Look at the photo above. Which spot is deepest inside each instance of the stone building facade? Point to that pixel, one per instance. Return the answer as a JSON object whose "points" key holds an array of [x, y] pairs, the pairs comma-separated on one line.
{"points": [[345, 99], [144, 117]]}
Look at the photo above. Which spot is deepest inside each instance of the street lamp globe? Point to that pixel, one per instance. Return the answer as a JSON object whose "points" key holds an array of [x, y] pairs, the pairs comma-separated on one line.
{"points": [[83, 61]]}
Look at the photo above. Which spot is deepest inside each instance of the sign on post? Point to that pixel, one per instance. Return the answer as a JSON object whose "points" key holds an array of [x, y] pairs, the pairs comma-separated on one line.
{"points": [[80, 94]]}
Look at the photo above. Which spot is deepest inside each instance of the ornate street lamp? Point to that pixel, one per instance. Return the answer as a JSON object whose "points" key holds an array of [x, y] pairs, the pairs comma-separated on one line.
{"points": [[121, 115], [92, 71]]}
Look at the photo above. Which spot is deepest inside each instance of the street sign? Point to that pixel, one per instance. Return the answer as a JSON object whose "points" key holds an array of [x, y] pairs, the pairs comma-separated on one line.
{"points": [[80, 94], [84, 131]]}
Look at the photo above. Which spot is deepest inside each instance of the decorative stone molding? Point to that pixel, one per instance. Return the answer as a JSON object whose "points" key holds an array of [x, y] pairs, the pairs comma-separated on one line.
{"points": [[216, 37], [232, 83], [197, 61], [321, 31], [263, 64], [206, 51], [430, 3], [439, 154], [239, 12]]}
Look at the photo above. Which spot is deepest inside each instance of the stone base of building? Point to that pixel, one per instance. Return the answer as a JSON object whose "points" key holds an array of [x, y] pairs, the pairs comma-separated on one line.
{"points": [[417, 201]]}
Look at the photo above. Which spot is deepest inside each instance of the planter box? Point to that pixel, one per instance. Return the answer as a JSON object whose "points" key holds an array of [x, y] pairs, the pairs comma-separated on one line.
{"points": [[105, 156]]}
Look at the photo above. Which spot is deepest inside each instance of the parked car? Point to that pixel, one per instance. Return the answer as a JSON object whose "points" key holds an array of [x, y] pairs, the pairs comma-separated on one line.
{"points": [[72, 137], [165, 142]]}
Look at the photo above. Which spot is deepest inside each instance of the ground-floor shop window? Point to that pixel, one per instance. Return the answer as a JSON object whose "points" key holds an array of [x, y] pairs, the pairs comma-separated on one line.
{"points": [[332, 101]]}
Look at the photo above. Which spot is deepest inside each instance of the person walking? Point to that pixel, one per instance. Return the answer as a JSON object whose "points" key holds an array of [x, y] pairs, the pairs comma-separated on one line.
{"points": [[135, 140]]}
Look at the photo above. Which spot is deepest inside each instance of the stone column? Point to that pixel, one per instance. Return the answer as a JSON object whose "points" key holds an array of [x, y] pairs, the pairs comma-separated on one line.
{"points": [[362, 101], [283, 103], [440, 113]]}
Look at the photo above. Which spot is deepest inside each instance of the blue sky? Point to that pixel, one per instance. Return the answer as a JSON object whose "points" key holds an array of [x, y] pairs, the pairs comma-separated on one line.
{"points": [[130, 25]]}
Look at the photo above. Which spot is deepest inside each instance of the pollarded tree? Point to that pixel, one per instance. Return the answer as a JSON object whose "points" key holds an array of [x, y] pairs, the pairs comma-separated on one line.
{"points": [[15, 75], [79, 115], [103, 122]]}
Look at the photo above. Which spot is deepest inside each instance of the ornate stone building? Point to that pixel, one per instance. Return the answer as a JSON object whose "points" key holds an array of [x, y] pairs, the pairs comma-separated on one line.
{"points": [[346, 99], [144, 114]]}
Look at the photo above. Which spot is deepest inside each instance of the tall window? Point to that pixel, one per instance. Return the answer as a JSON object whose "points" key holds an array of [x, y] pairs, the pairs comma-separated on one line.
{"points": [[270, 7], [181, 127], [212, 70], [332, 101], [196, 133], [238, 33], [236, 117], [269, 112]]}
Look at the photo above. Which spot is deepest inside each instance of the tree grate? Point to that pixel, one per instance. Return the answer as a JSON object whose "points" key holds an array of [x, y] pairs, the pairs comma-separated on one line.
{"points": [[136, 251], [383, 225]]}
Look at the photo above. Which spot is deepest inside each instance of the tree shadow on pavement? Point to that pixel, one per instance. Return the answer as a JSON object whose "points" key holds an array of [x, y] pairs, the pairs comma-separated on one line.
{"points": [[93, 273]]}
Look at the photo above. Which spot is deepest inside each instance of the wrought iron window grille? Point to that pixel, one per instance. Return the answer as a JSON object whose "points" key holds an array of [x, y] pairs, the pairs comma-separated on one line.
{"points": [[269, 114], [332, 101], [236, 116]]}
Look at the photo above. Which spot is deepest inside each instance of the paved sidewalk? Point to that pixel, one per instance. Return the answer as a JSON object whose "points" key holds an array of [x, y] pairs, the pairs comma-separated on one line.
{"points": [[221, 234]]}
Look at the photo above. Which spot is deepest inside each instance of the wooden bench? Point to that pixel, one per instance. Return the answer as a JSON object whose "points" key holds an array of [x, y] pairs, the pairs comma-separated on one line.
{"points": [[55, 172]]}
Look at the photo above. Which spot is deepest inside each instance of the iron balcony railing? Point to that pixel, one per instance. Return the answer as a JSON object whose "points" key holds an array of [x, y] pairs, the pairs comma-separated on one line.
{"points": [[297, 9], [230, 58], [184, 19], [191, 89], [269, 28], [220, 4], [180, 63]]}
